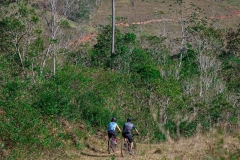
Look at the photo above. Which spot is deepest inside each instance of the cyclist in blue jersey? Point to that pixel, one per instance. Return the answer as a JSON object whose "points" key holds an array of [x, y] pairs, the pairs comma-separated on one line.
{"points": [[111, 129], [127, 128]]}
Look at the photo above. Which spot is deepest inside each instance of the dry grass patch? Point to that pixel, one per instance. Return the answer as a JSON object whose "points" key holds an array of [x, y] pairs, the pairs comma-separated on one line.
{"points": [[143, 11]]}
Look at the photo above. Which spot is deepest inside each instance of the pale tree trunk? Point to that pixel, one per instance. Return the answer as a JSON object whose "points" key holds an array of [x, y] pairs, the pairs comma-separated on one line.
{"points": [[209, 67], [201, 74], [19, 54], [113, 30], [45, 57], [16, 43], [184, 117], [182, 34], [54, 25], [161, 120], [183, 39]]}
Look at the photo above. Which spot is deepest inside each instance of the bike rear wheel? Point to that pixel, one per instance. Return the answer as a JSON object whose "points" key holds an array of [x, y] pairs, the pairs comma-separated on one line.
{"points": [[125, 148]]}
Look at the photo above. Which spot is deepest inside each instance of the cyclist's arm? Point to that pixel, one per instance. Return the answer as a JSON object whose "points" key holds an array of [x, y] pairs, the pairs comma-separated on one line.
{"points": [[136, 130], [119, 128]]}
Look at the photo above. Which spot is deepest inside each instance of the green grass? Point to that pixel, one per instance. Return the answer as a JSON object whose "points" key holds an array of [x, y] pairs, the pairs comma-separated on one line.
{"points": [[234, 2]]}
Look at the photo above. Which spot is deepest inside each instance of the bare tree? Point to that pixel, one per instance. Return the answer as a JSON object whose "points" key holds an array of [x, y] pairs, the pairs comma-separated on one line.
{"points": [[187, 15], [53, 23]]}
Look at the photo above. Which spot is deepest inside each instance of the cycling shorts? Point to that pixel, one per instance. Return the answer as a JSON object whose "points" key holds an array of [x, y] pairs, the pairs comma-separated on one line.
{"points": [[128, 136], [112, 133]]}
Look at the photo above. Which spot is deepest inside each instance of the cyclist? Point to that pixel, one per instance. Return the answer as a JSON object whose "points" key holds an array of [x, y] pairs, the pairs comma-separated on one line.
{"points": [[111, 129], [127, 128]]}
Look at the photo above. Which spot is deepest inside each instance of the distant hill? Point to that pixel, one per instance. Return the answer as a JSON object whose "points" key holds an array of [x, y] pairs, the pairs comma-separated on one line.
{"points": [[139, 11]]}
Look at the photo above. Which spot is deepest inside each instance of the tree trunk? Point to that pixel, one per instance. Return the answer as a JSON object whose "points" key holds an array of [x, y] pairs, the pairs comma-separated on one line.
{"points": [[113, 29]]}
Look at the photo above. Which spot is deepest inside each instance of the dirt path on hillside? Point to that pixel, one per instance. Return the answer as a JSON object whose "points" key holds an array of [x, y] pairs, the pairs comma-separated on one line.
{"points": [[90, 36], [196, 148], [175, 20]]}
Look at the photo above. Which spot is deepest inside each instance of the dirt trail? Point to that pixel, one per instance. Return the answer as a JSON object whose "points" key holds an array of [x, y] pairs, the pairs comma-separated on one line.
{"points": [[90, 36], [226, 16], [195, 148]]}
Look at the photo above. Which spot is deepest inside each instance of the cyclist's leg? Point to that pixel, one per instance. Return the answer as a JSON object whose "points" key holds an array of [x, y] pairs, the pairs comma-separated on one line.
{"points": [[128, 136], [114, 136], [109, 134], [109, 145], [131, 145], [130, 139], [124, 136]]}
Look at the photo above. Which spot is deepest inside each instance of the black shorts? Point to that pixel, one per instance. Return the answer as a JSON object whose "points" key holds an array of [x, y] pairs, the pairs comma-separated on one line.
{"points": [[128, 136], [112, 133]]}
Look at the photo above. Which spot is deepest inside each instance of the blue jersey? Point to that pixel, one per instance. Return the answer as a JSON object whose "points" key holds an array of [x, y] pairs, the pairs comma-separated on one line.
{"points": [[112, 126]]}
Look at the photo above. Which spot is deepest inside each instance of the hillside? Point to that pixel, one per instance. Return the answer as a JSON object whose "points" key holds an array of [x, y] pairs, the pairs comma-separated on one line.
{"points": [[174, 72], [141, 11]]}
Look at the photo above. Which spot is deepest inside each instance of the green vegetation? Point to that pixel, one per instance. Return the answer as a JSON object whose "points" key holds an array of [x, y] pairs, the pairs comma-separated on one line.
{"points": [[234, 2], [47, 86]]}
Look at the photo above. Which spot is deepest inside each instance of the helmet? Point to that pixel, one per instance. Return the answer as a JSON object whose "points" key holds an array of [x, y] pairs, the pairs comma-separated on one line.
{"points": [[113, 119], [129, 120]]}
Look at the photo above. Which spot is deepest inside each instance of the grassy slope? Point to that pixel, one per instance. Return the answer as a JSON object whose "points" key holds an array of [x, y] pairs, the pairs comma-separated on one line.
{"points": [[143, 10]]}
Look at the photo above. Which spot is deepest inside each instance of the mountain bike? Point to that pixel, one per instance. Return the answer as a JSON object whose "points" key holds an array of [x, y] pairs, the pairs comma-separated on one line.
{"points": [[111, 145], [125, 147]]}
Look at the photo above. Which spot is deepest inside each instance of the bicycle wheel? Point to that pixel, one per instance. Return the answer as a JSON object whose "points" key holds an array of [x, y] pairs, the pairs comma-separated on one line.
{"points": [[125, 147], [134, 150], [111, 146]]}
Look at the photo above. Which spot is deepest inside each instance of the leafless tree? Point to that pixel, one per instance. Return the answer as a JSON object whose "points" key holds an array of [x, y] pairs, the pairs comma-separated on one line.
{"points": [[53, 23]]}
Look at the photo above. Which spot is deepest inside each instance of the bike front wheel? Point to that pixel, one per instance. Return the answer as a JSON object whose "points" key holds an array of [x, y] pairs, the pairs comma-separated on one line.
{"points": [[111, 146]]}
